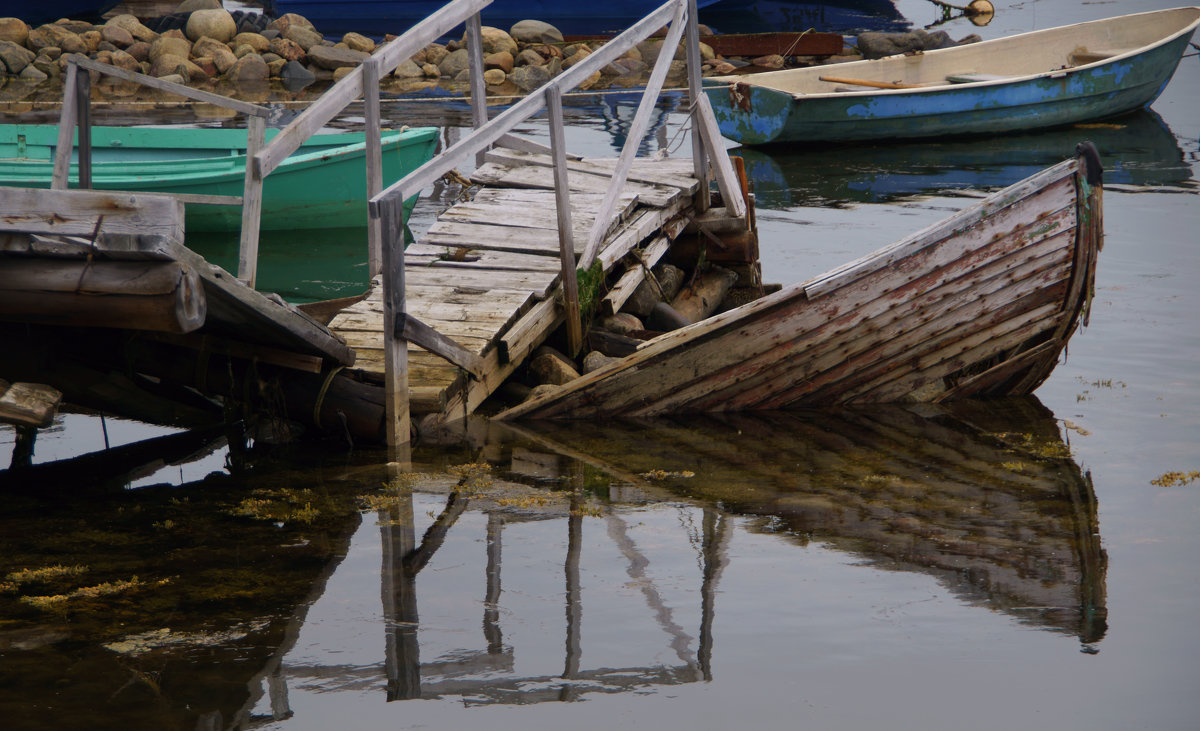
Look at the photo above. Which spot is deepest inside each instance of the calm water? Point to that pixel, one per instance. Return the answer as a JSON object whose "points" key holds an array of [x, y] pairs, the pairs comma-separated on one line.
{"points": [[987, 565]]}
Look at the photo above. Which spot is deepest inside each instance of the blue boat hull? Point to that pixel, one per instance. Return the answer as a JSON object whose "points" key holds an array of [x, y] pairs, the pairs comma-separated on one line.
{"points": [[48, 11], [756, 114], [376, 17]]}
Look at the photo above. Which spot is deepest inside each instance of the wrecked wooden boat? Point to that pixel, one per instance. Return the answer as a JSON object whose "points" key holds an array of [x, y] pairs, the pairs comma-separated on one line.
{"points": [[1045, 78], [981, 304]]}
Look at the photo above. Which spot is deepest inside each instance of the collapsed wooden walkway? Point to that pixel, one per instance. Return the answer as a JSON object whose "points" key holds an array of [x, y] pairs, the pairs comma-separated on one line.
{"points": [[487, 272]]}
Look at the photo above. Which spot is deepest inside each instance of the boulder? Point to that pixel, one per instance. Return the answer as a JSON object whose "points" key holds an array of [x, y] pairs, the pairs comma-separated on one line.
{"points": [[502, 61], [495, 41], [287, 20], [223, 59], [332, 58], [358, 42], [529, 57], [306, 38], [14, 57], [771, 61], [528, 78], [408, 69], [32, 73], [135, 27], [549, 366], [123, 60], [15, 30], [217, 23], [191, 6], [455, 63], [295, 76], [664, 318], [249, 68], [116, 35], [493, 77], [435, 53], [581, 53], [535, 31], [878, 45], [257, 41], [53, 35], [596, 360], [287, 49], [622, 323], [140, 50], [431, 71], [170, 43]]}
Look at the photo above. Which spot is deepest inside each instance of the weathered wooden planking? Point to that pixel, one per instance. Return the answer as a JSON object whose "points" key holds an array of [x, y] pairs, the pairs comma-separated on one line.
{"points": [[83, 212], [428, 255], [532, 176], [527, 215], [538, 283], [634, 275], [118, 247], [768, 335], [28, 404], [666, 172]]}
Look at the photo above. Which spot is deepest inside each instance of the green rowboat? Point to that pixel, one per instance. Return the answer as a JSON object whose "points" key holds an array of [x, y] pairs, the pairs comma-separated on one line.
{"points": [[322, 185]]}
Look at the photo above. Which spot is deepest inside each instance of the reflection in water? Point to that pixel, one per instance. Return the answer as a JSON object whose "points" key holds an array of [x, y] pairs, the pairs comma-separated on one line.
{"points": [[1137, 150], [215, 630]]}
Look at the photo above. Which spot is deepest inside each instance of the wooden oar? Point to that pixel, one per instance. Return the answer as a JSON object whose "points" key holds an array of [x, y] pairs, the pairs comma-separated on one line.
{"points": [[865, 82]]}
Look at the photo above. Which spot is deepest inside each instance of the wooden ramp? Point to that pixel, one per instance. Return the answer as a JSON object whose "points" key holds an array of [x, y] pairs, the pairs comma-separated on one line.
{"points": [[487, 272]]}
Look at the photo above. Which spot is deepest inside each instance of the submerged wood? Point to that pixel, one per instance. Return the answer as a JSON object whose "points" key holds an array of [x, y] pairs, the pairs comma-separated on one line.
{"points": [[981, 304]]}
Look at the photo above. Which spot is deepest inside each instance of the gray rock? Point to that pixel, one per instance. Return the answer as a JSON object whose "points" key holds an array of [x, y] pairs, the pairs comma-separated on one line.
{"points": [[535, 31], [331, 57], [14, 57], [306, 38], [191, 6], [135, 27], [15, 30], [31, 73], [664, 318], [408, 69], [550, 366], [296, 76], [622, 323], [529, 57], [249, 68], [454, 63], [167, 45], [542, 390], [528, 78], [596, 360]]}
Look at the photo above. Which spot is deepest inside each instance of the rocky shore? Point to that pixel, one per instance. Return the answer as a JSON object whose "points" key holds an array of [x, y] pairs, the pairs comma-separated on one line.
{"points": [[240, 53]]}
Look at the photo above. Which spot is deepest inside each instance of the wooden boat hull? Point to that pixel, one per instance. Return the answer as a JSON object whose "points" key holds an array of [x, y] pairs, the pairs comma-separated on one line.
{"points": [[323, 185], [1048, 81], [980, 304]]}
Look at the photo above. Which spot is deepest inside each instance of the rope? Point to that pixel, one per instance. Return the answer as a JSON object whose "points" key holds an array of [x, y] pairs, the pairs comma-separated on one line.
{"points": [[321, 395]]}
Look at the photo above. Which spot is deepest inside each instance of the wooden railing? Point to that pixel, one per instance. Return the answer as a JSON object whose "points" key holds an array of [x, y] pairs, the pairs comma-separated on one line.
{"points": [[386, 207]]}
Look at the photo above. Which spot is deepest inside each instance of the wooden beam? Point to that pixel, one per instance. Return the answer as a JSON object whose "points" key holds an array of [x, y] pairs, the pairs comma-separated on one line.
{"points": [[727, 180], [479, 113], [418, 333], [252, 195], [374, 154], [83, 108], [699, 158], [67, 120], [637, 130], [199, 95], [562, 206], [28, 404], [75, 212], [395, 350]]}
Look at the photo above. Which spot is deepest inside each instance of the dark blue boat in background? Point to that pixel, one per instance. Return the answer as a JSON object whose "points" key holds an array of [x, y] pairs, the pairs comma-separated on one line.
{"points": [[38, 12], [377, 17], [848, 17]]}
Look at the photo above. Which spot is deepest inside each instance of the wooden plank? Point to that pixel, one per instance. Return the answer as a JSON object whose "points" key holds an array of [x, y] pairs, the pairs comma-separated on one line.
{"points": [[83, 108], [529, 332], [252, 196], [479, 113], [634, 276], [633, 140], [76, 212], [68, 120], [562, 209], [417, 255], [495, 238], [640, 172], [374, 162], [532, 176], [418, 333], [537, 283], [28, 404], [524, 144], [1053, 184], [695, 91], [727, 182], [118, 247], [529, 213], [210, 345]]}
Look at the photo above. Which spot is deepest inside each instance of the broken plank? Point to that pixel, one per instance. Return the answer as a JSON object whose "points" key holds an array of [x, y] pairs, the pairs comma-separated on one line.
{"points": [[29, 404], [634, 276], [77, 212], [650, 172]]}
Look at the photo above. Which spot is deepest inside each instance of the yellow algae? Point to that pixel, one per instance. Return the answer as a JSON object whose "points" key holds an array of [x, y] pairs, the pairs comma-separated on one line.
{"points": [[1176, 479]]}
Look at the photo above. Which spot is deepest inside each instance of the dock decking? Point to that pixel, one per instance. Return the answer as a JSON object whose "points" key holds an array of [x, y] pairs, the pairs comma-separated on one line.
{"points": [[487, 272]]}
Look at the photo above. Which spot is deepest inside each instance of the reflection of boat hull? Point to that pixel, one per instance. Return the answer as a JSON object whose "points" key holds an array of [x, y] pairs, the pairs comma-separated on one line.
{"points": [[1137, 149], [322, 185], [1029, 81], [983, 496], [839, 16], [980, 304]]}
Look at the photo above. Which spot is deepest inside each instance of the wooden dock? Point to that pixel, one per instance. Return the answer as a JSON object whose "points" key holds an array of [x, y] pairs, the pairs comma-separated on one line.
{"points": [[487, 273]]}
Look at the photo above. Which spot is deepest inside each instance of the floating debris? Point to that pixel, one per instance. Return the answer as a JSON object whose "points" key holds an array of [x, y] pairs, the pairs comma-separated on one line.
{"points": [[1176, 479]]}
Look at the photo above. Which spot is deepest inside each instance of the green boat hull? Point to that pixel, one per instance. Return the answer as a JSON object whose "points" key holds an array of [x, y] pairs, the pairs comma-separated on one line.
{"points": [[322, 185]]}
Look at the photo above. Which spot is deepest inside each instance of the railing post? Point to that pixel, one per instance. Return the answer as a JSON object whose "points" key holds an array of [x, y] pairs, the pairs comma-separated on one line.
{"points": [[83, 108], [252, 191], [699, 156], [562, 201], [478, 89], [67, 120], [390, 212], [374, 162]]}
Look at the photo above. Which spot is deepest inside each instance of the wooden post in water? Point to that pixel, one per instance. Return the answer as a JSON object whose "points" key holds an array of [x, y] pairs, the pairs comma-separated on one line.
{"points": [[256, 131], [374, 162], [390, 212], [479, 113], [562, 204], [699, 156], [67, 119], [83, 108]]}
